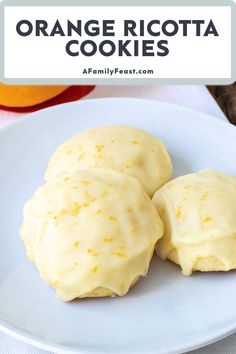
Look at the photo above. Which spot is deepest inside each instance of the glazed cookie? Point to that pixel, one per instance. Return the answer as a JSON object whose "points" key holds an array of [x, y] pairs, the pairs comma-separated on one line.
{"points": [[199, 215], [126, 149], [91, 233]]}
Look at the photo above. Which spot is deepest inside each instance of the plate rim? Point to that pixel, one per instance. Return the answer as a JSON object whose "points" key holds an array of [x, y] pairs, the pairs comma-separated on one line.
{"points": [[60, 349], [30, 116]]}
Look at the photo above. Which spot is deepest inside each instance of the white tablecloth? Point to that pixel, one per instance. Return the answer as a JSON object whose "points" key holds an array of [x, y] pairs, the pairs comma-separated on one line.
{"points": [[195, 97]]}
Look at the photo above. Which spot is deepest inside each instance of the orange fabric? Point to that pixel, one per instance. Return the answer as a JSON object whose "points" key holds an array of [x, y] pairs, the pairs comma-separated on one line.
{"points": [[73, 93]]}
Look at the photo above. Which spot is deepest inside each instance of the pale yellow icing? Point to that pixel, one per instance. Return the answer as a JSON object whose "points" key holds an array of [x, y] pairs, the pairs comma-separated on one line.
{"points": [[126, 149], [199, 215], [91, 233]]}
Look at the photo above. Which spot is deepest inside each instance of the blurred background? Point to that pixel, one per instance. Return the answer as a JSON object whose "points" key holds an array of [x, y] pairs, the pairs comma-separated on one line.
{"points": [[226, 99], [17, 101]]}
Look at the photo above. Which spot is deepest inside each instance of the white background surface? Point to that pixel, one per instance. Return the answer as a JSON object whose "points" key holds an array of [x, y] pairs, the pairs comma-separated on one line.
{"points": [[195, 97]]}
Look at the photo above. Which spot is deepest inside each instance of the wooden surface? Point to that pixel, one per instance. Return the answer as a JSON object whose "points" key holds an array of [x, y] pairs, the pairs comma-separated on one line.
{"points": [[226, 98]]}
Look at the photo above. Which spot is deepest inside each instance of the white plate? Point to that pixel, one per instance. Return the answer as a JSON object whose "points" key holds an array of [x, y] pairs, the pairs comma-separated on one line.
{"points": [[165, 312]]}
